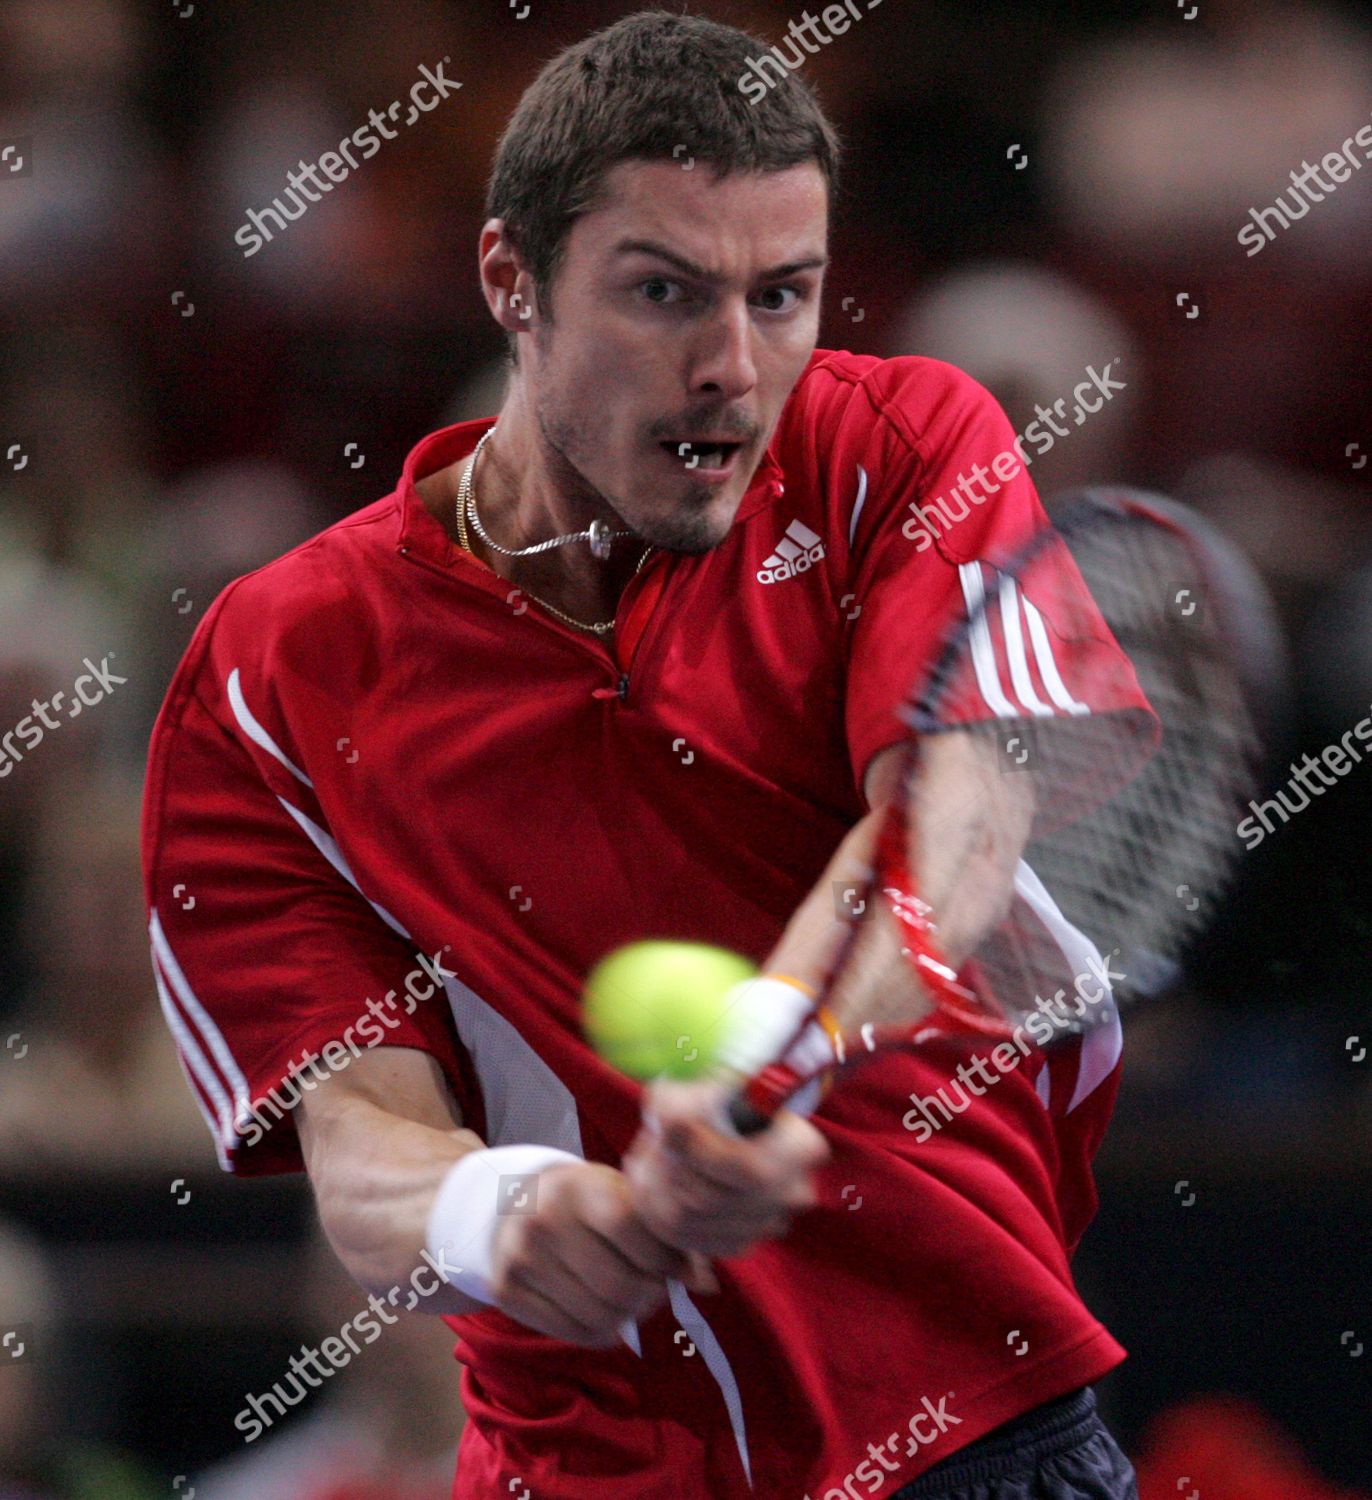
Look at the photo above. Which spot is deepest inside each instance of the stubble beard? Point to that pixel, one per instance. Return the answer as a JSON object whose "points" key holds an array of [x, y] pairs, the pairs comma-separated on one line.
{"points": [[690, 529]]}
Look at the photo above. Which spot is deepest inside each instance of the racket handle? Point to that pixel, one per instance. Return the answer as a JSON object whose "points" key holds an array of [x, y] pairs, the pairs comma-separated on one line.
{"points": [[746, 1120], [755, 1106]]}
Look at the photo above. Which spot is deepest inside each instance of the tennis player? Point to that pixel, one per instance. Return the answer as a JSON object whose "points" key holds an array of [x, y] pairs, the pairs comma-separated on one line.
{"points": [[622, 662]]}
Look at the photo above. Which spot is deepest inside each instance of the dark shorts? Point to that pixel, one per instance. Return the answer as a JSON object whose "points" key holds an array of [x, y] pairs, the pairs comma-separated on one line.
{"points": [[1059, 1451]]}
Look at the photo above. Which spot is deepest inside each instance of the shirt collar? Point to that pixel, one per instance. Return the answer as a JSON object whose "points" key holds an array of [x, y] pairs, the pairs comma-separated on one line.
{"points": [[421, 533]]}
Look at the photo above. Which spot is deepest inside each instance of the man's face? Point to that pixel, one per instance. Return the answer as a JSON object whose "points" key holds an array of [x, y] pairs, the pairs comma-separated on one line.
{"points": [[685, 310]]}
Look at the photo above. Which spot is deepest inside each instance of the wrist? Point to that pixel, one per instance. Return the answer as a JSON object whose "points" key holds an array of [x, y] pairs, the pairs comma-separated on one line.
{"points": [[477, 1193], [764, 1013]]}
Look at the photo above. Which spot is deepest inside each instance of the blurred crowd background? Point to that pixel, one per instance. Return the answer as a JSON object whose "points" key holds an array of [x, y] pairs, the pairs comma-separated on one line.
{"points": [[173, 414]]}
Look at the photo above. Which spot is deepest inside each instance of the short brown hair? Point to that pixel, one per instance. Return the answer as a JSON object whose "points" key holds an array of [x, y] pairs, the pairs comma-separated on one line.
{"points": [[654, 86]]}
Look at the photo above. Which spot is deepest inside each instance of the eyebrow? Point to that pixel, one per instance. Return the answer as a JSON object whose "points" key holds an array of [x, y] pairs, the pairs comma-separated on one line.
{"points": [[651, 247]]}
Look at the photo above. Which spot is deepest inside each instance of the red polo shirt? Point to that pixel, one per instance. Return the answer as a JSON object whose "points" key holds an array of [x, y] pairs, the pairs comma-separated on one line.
{"points": [[375, 749]]}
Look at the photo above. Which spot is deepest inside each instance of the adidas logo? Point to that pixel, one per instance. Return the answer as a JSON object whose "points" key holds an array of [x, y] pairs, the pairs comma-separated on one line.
{"points": [[798, 551]]}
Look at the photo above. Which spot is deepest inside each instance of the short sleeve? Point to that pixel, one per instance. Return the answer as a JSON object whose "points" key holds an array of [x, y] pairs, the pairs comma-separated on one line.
{"points": [[271, 968], [919, 526], [947, 493]]}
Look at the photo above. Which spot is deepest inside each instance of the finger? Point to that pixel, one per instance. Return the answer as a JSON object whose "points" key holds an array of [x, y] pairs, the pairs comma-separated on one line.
{"points": [[715, 1229], [699, 1275], [674, 1204], [620, 1229], [667, 1188], [790, 1148], [693, 1118], [760, 1191], [607, 1281], [559, 1255], [594, 1317], [711, 1237], [544, 1310]]}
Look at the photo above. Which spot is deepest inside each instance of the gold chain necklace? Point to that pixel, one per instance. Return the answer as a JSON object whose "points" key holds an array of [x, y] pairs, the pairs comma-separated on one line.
{"points": [[464, 496]]}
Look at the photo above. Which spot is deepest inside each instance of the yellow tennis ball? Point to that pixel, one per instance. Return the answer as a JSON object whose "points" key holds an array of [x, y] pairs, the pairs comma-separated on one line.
{"points": [[658, 1007]]}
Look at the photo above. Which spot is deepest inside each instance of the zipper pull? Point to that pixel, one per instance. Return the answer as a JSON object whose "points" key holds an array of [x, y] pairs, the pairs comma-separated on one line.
{"points": [[620, 690]]}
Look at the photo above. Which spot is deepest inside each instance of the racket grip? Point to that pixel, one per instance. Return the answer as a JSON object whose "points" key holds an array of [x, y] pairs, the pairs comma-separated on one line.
{"points": [[745, 1118], [755, 1106]]}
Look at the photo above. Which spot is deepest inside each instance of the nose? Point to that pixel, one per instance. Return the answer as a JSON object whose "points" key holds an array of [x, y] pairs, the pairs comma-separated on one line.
{"points": [[725, 366]]}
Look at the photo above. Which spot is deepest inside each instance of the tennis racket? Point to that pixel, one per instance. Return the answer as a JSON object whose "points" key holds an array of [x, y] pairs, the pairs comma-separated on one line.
{"points": [[1129, 771]]}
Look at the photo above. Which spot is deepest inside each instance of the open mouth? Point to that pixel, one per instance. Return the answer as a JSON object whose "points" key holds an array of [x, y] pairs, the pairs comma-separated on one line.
{"points": [[707, 455]]}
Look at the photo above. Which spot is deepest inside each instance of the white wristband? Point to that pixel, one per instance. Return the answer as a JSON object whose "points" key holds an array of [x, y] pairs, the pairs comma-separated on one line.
{"points": [[479, 1190], [761, 1016]]}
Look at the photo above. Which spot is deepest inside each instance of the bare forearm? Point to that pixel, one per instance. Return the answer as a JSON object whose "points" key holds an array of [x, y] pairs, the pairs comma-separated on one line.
{"points": [[969, 825], [375, 1178], [396, 1177], [809, 944]]}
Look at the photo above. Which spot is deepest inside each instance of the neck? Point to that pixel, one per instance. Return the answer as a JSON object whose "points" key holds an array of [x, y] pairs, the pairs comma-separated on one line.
{"points": [[525, 494]]}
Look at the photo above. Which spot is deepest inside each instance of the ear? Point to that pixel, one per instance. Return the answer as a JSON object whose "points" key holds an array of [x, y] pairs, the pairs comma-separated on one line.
{"points": [[505, 281]]}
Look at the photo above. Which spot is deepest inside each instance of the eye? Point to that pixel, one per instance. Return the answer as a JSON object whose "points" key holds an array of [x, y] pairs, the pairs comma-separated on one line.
{"points": [[781, 291], [658, 289]]}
